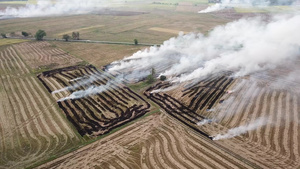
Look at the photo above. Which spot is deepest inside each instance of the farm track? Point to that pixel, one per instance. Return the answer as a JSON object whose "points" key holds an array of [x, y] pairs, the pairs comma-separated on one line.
{"points": [[32, 128], [101, 112]]}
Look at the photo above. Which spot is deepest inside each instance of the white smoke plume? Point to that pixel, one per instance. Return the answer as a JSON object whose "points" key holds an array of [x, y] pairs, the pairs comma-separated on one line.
{"points": [[52, 8], [243, 47], [245, 3], [78, 78], [242, 129], [213, 8], [90, 79], [205, 121], [165, 90], [92, 90]]}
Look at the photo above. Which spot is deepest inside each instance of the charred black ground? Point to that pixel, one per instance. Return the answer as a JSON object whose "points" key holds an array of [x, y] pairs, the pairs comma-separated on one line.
{"points": [[99, 113]]}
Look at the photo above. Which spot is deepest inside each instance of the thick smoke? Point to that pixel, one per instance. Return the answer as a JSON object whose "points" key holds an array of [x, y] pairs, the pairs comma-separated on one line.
{"points": [[260, 122], [242, 47], [245, 3], [50, 8]]}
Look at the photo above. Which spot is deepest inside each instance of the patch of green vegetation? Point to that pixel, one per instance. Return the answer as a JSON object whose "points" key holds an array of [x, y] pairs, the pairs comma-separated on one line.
{"points": [[137, 87], [136, 149], [14, 2], [44, 68], [83, 63], [5, 41]]}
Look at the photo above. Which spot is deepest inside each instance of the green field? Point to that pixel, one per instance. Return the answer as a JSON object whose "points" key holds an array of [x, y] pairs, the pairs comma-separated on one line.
{"points": [[11, 41]]}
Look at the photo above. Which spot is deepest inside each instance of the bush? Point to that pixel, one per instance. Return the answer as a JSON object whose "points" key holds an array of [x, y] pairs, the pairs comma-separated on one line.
{"points": [[66, 37], [25, 34], [75, 35], [136, 42], [39, 35], [162, 78], [3, 35]]}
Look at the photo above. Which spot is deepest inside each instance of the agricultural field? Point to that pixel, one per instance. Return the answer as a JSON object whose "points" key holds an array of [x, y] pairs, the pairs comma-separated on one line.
{"points": [[192, 104], [41, 127], [41, 56], [62, 108], [4, 42], [156, 141], [276, 142], [98, 54], [219, 103], [116, 25], [108, 105], [192, 115], [32, 127]]}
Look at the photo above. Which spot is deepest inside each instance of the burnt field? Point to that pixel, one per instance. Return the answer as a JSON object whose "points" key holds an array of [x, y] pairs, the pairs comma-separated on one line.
{"points": [[192, 104], [109, 106]]}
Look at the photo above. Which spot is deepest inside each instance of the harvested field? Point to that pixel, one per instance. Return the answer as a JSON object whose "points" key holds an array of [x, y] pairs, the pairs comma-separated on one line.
{"points": [[32, 127], [42, 55], [98, 54], [192, 104], [218, 104], [165, 30], [154, 142], [118, 28], [80, 30], [191, 7], [276, 143], [98, 113]]}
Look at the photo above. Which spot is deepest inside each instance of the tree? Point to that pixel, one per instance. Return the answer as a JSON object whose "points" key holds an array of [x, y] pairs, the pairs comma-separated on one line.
{"points": [[151, 77], [39, 35], [75, 35], [153, 72], [162, 78], [25, 34], [66, 37], [3, 35], [136, 42]]}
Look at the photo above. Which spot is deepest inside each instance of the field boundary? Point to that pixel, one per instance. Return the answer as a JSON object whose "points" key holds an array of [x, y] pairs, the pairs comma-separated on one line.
{"points": [[91, 41]]}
